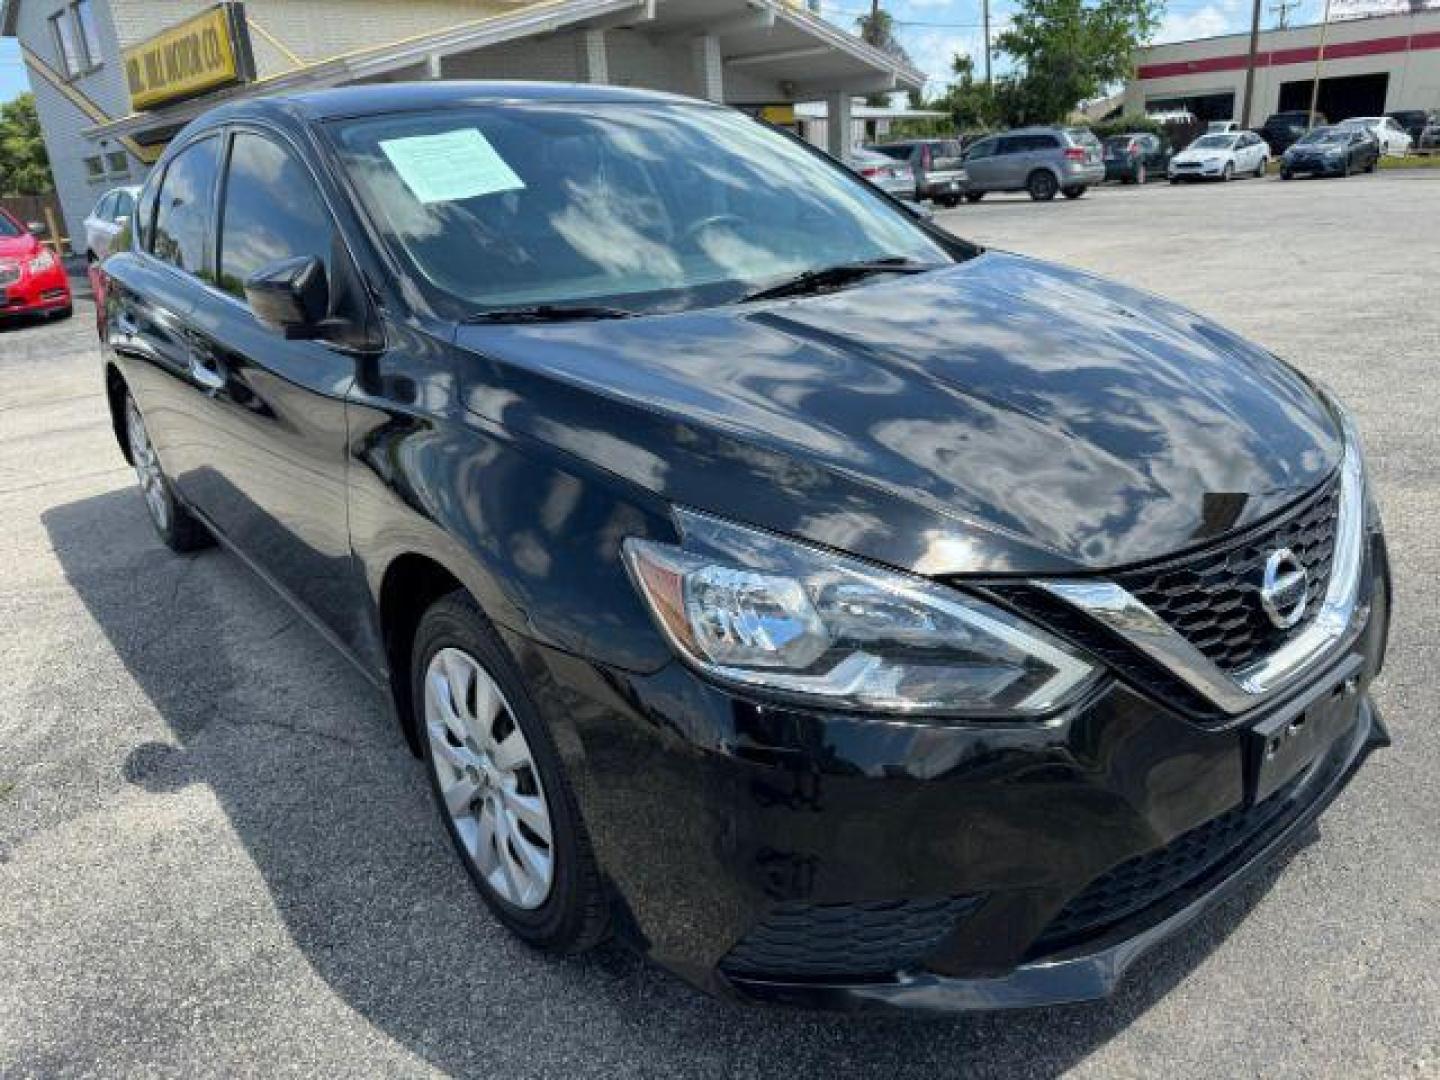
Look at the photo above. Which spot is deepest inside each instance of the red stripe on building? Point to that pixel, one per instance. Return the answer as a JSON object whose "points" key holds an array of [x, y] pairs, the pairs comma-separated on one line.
{"points": [[1338, 50]]}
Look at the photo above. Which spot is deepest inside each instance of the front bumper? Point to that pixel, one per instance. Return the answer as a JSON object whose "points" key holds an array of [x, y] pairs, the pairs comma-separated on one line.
{"points": [[1206, 171], [842, 862], [1314, 166], [48, 290]]}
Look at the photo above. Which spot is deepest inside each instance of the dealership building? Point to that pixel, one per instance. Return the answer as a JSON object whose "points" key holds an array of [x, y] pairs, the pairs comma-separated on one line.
{"points": [[1368, 67], [114, 80]]}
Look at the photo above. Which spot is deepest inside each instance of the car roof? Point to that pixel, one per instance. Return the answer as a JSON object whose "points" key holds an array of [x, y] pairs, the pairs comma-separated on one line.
{"points": [[373, 100]]}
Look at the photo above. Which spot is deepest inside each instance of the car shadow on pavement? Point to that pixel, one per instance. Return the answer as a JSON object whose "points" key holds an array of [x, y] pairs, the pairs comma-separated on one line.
{"points": [[334, 813]]}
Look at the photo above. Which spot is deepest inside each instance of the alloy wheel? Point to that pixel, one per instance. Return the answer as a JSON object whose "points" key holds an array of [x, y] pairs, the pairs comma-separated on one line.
{"points": [[147, 465], [488, 780]]}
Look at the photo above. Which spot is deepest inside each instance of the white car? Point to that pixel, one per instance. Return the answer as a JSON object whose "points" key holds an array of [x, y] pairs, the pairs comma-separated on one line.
{"points": [[111, 214], [1221, 156], [1393, 138]]}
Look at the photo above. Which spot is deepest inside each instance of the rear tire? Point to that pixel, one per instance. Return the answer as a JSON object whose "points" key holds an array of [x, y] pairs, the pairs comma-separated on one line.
{"points": [[974, 196], [1073, 192], [544, 889], [180, 530], [1042, 186], [1260, 169]]}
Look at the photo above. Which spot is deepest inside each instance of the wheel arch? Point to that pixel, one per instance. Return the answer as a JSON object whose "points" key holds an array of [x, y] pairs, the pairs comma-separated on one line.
{"points": [[412, 582]]}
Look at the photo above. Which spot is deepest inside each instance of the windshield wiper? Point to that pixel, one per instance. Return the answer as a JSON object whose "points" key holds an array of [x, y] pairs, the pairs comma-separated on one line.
{"points": [[840, 274], [549, 313]]}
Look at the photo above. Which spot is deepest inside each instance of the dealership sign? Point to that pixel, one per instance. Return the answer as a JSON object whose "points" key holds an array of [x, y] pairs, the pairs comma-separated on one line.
{"points": [[201, 54], [1366, 9]]}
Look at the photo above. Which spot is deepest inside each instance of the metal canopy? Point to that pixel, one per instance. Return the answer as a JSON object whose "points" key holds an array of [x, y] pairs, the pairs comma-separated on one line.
{"points": [[805, 56]]}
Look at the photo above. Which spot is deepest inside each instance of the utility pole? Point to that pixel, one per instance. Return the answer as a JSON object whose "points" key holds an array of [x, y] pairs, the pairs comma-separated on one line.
{"points": [[986, 4], [1250, 66], [1319, 59]]}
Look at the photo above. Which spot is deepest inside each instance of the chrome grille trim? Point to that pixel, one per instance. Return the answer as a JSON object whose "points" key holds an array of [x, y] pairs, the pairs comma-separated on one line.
{"points": [[1119, 610]]}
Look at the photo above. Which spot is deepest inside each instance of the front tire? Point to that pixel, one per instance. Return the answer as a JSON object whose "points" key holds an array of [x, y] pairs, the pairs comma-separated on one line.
{"points": [[180, 530], [499, 783], [1073, 192], [1041, 186], [1228, 173]]}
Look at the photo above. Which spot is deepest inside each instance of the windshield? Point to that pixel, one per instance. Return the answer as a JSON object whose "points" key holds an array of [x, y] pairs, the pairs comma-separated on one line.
{"points": [[1213, 142], [1323, 135], [9, 227], [645, 207]]}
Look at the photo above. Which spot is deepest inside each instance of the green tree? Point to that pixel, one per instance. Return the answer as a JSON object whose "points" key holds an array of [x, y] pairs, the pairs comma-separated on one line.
{"points": [[24, 165], [968, 100], [1065, 51], [879, 30]]}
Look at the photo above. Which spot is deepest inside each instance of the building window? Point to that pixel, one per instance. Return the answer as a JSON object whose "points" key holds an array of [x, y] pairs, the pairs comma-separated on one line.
{"points": [[67, 50], [95, 168], [77, 38], [89, 32], [117, 164]]}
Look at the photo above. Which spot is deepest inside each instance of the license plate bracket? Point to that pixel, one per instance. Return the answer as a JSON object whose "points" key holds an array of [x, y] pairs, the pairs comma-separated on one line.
{"points": [[1280, 746]]}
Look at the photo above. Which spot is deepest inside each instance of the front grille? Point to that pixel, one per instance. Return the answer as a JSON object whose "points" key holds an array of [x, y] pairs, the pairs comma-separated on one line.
{"points": [[1147, 879], [813, 941], [1212, 597], [9, 272]]}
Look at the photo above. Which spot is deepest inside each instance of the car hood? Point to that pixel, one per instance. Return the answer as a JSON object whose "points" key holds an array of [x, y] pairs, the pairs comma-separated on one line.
{"points": [[16, 247], [1003, 415]]}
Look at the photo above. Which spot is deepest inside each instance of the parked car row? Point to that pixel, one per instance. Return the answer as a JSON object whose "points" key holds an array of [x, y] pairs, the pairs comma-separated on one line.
{"points": [[935, 166], [1042, 161]]}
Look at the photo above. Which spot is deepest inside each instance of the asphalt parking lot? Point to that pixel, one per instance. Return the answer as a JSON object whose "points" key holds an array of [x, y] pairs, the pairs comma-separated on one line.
{"points": [[217, 857]]}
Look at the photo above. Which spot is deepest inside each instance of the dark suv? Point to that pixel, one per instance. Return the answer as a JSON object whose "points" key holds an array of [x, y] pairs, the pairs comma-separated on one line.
{"points": [[837, 612], [1283, 129]]}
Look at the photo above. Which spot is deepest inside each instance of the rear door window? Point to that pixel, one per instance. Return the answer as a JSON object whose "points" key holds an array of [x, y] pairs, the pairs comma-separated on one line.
{"points": [[184, 208]]}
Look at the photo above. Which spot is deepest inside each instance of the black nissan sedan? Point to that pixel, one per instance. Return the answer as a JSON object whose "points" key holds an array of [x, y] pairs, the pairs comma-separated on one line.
{"points": [[839, 613]]}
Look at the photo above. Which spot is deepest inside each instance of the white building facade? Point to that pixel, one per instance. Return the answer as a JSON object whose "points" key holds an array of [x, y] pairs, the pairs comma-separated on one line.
{"points": [[1368, 67], [751, 53]]}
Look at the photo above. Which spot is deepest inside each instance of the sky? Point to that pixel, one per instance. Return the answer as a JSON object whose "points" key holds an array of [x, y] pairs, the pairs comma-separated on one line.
{"points": [[932, 31]]}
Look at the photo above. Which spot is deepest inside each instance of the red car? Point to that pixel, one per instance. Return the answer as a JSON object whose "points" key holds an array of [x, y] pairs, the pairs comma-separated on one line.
{"points": [[32, 277]]}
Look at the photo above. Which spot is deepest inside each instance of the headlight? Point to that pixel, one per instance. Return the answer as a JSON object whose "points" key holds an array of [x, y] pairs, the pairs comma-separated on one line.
{"points": [[42, 262], [749, 608]]}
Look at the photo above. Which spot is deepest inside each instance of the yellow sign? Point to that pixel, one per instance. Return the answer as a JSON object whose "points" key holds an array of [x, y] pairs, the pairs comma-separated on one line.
{"points": [[200, 54], [780, 115]]}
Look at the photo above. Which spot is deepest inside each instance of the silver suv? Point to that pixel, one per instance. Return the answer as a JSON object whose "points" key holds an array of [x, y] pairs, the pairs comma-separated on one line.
{"points": [[1042, 161]]}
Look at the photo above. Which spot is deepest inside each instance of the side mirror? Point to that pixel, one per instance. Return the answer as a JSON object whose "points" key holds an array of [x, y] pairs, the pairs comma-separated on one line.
{"points": [[37, 228], [291, 296]]}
